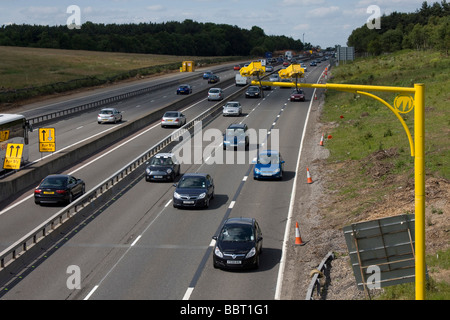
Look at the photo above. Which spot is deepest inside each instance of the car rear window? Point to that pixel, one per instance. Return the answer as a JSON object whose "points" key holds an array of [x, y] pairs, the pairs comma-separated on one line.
{"points": [[171, 114]]}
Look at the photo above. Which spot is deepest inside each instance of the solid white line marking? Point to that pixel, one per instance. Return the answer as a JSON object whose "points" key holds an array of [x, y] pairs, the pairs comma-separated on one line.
{"points": [[137, 239], [188, 293], [90, 293], [291, 208], [167, 204]]}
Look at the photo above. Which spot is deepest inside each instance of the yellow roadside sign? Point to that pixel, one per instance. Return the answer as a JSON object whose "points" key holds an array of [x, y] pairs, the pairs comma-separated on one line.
{"points": [[13, 156], [47, 140]]}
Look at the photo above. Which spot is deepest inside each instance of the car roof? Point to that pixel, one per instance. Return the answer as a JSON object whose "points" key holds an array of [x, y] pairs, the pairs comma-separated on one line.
{"points": [[194, 175], [107, 109], [236, 126], [240, 220], [269, 151], [172, 111], [164, 155], [57, 176]]}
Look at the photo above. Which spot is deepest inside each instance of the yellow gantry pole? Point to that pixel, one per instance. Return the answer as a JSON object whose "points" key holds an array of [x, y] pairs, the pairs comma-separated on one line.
{"points": [[419, 179], [417, 150]]}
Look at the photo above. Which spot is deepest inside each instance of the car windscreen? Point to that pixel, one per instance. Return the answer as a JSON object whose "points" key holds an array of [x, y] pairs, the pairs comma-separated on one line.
{"points": [[161, 161], [236, 233], [192, 182], [268, 158], [106, 112], [214, 91], [231, 105]]}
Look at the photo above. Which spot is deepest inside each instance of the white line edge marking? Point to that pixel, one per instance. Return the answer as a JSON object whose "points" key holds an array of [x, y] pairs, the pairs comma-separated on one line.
{"points": [[135, 241], [188, 293], [90, 293], [291, 207]]}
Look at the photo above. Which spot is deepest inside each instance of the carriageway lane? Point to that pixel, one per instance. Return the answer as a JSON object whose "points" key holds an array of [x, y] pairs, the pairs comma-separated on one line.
{"points": [[95, 251], [21, 216]]}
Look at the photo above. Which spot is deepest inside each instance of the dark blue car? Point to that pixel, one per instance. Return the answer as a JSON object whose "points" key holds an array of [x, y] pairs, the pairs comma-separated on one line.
{"points": [[268, 165], [184, 89], [193, 190]]}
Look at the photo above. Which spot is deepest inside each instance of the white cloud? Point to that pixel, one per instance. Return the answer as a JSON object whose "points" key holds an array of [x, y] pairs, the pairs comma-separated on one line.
{"points": [[323, 11]]}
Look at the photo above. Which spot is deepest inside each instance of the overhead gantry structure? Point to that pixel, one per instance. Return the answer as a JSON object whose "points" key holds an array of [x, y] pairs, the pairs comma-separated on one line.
{"points": [[255, 69]]}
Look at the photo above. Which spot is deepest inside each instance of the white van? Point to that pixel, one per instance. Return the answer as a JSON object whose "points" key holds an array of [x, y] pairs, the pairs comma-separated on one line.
{"points": [[241, 81]]}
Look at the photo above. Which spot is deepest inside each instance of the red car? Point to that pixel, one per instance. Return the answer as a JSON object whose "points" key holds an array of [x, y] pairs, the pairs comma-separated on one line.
{"points": [[237, 67], [286, 63], [298, 95]]}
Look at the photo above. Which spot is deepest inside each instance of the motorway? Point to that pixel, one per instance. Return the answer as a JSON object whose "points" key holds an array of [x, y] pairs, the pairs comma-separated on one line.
{"points": [[139, 246]]}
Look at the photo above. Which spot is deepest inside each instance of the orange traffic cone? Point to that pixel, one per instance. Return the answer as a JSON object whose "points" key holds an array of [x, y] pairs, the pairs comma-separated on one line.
{"points": [[308, 176], [321, 141], [298, 238], [315, 96]]}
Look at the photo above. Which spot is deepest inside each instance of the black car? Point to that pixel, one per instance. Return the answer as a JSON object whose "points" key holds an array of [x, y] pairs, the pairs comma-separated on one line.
{"points": [[193, 190], [238, 244], [253, 92], [213, 79], [162, 167], [58, 188]]}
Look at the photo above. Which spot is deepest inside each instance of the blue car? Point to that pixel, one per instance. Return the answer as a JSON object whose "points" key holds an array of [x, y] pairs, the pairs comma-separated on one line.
{"points": [[184, 89], [268, 165]]}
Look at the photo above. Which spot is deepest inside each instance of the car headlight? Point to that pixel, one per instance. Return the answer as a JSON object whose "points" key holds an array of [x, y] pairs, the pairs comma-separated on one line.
{"points": [[147, 170], [169, 171], [257, 171], [202, 195], [176, 195], [251, 253], [277, 170], [218, 253]]}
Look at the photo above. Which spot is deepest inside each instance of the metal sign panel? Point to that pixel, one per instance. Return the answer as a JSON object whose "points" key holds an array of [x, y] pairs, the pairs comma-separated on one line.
{"points": [[382, 251], [345, 53]]}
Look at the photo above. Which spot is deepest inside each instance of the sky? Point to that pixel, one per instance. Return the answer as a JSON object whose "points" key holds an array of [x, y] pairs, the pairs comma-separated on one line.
{"points": [[320, 22]]}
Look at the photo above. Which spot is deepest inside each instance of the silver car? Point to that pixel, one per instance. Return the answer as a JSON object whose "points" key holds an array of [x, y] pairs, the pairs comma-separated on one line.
{"points": [[109, 115], [215, 94], [232, 108], [173, 118], [274, 78]]}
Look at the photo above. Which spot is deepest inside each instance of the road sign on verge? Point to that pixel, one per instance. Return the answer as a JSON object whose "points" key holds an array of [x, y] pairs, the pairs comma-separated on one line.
{"points": [[385, 246], [47, 140], [13, 156]]}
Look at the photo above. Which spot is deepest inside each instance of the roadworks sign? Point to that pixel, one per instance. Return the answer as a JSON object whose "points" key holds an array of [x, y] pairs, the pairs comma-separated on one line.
{"points": [[13, 156]]}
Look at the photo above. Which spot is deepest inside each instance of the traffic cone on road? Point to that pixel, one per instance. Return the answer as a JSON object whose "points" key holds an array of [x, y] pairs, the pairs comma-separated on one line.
{"points": [[321, 141], [298, 238], [308, 176]]}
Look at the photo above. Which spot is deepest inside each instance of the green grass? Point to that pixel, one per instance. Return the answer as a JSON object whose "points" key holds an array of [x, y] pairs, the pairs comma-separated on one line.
{"points": [[361, 126], [435, 290], [30, 72], [25, 67], [365, 125]]}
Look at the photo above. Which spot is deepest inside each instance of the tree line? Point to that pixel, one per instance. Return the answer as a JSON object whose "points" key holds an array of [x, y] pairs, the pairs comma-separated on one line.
{"points": [[427, 28], [187, 38]]}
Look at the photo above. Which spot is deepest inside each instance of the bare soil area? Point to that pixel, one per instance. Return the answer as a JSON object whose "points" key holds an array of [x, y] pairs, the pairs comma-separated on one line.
{"points": [[321, 214]]}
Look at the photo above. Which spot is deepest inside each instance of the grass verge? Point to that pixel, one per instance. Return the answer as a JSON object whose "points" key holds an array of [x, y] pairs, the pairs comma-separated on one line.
{"points": [[370, 164]]}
